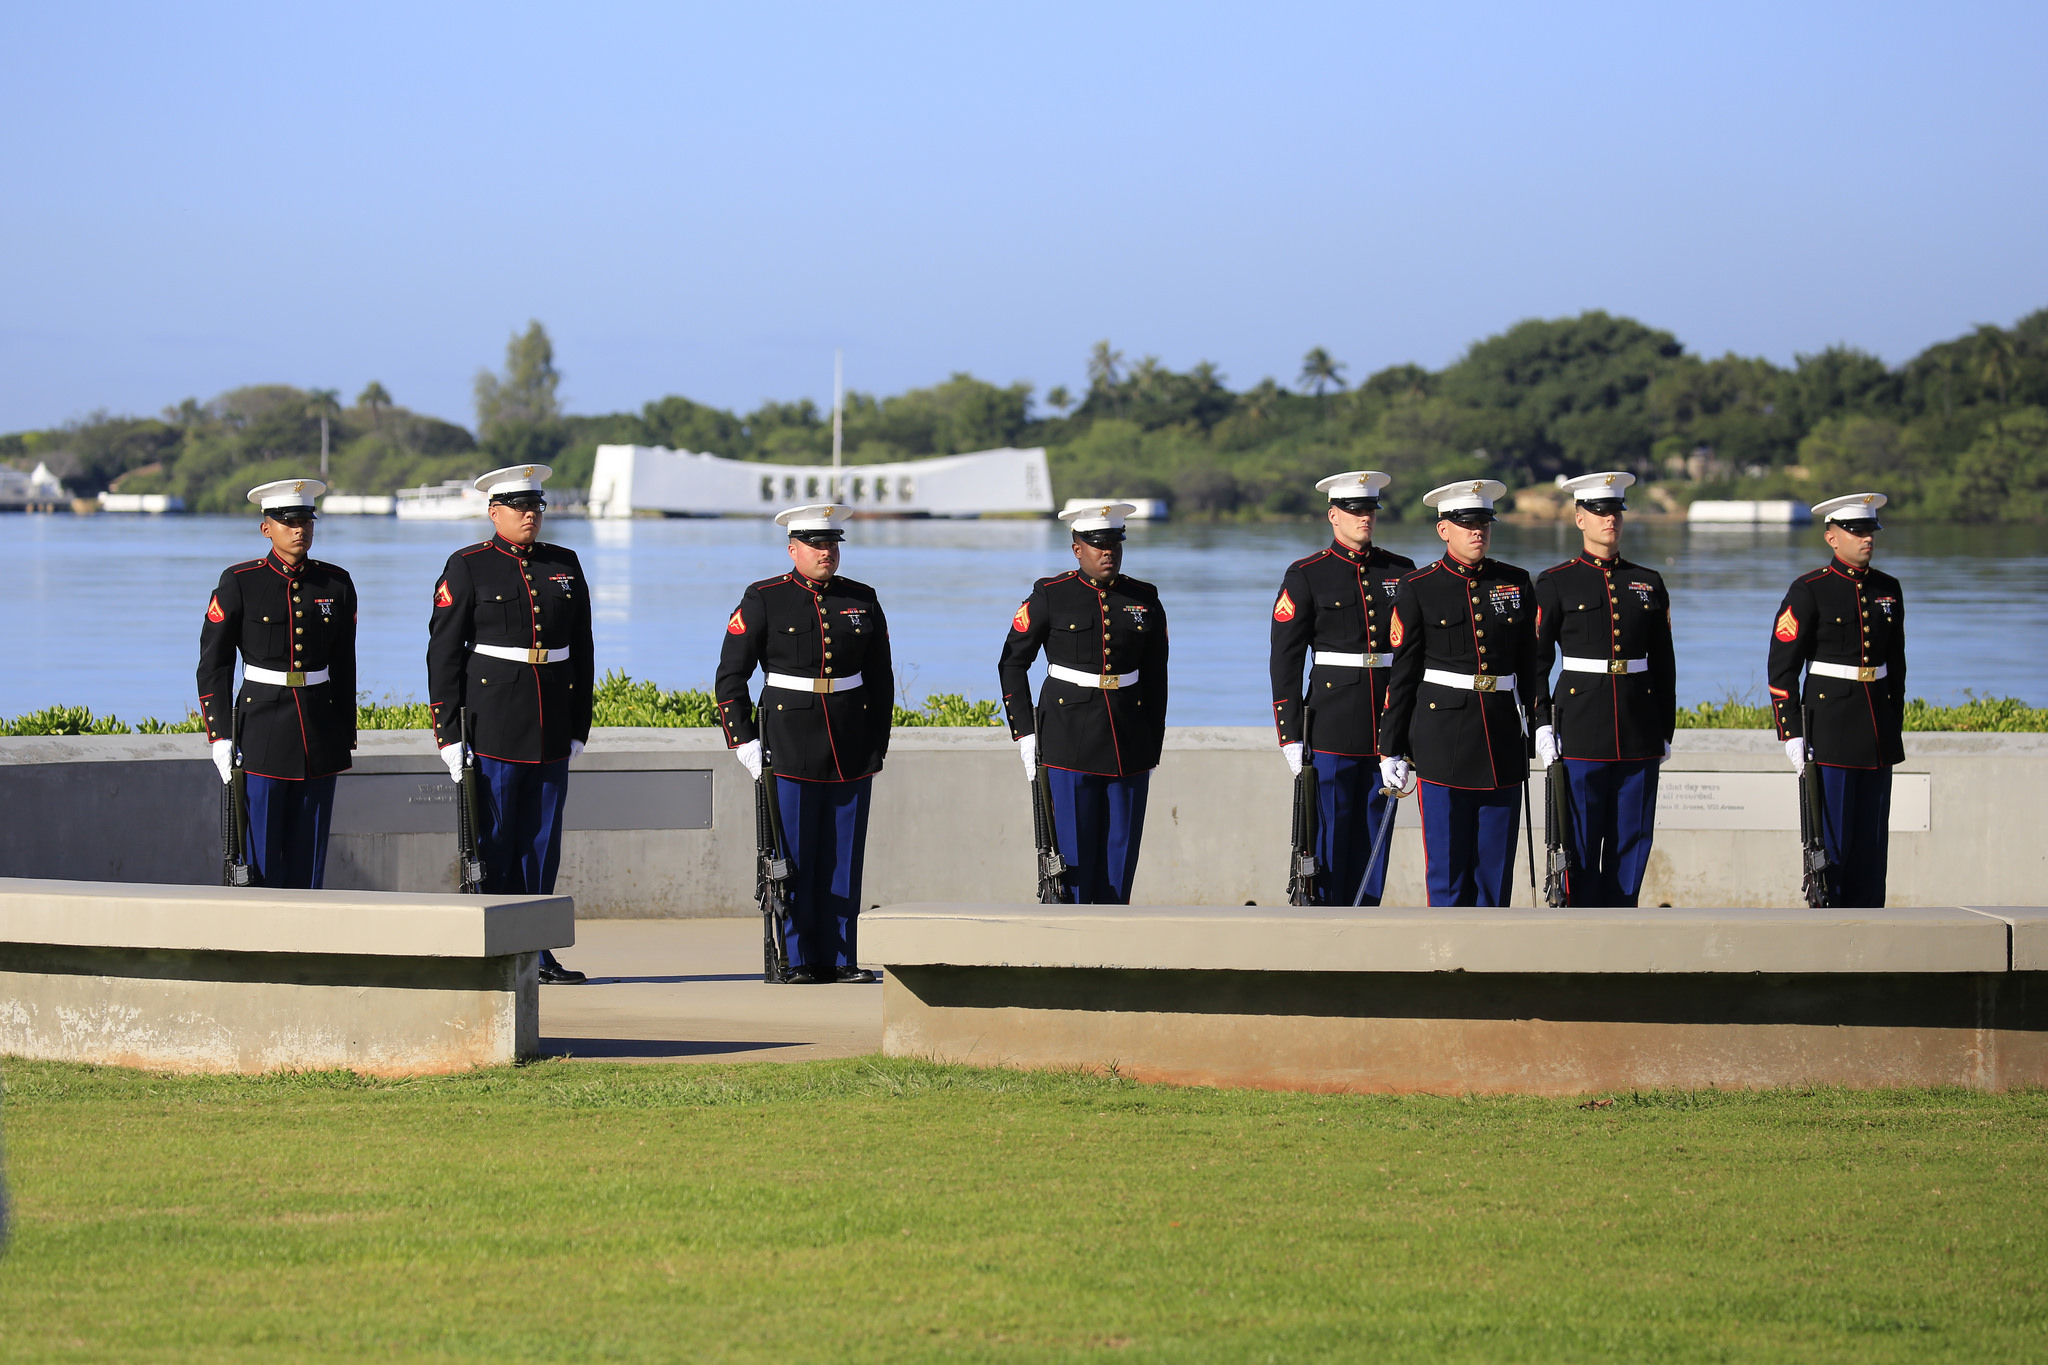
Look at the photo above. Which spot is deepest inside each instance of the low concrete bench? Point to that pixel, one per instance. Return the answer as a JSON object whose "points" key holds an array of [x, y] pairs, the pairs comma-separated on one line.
{"points": [[1464, 1001], [189, 978]]}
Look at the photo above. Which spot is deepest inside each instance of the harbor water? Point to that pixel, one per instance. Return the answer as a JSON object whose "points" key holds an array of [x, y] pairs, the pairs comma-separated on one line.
{"points": [[104, 611]]}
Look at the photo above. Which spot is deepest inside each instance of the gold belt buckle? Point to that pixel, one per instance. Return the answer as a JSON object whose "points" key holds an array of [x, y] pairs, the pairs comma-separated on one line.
{"points": [[1483, 682], [294, 680], [822, 684], [1866, 675], [536, 656], [1111, 682], [1618, 666], [1372, 661]]}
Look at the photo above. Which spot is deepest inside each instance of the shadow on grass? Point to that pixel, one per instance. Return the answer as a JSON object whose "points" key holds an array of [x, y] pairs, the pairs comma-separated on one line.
{"points": [[648, 1047]]}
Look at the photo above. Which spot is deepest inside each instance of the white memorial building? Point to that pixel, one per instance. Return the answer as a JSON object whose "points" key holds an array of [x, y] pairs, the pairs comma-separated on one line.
{"points": [[639, 479]]}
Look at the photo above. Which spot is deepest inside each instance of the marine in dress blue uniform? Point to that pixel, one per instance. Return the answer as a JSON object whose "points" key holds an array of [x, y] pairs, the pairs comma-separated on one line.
{"points": [[510, 640], [1844, 627], [1610, 715], [293, 622], [822, 646], [1340, 603], [1464, 642], [1100, 721]]}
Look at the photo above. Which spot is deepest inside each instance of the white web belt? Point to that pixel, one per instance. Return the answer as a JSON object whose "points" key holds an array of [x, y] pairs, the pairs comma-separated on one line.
{"points": [[1576, 665], [794, 683], [1108, 682], [277, 679]]}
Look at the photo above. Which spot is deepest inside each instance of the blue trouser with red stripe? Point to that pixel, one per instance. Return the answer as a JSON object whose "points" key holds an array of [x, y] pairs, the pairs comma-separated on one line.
{"points": [[1468, 841], [1613, 819], [1099, 822], [288, 822], [1349, 811], [826, 826], [521, 841], [1856, 818]]}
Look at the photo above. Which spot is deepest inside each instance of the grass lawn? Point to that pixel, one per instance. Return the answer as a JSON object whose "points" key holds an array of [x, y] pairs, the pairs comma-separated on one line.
{"points": [[889, 1210]]}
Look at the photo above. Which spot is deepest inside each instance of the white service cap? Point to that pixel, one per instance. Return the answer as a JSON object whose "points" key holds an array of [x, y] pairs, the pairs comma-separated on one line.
{"points": [[819, 516], [1098, 516], [287, 494], [1855, 507], [1467, 495], [1603, 487], [518, 478], [1359, 483]]}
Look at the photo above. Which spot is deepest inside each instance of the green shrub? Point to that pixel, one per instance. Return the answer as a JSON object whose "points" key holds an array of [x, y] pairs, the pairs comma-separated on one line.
{"points": [[2008, 714]]}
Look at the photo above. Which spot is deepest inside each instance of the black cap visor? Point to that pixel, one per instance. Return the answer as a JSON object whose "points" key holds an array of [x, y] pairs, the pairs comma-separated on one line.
{"points": [[1357, 507], [1469, 516], [1861, 526], [818, 537], [524, 501], [1102, 539], [1602, 507], [297, 512]]}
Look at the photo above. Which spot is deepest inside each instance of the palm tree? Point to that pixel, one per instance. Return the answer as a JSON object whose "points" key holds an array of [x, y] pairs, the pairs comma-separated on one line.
{"points": [[1058, 399], [375, 399], [1319, 371], [1992, 350], [323, 403]]}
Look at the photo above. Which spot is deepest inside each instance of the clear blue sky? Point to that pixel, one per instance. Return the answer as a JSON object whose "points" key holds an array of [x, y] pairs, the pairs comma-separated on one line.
{"points": [[707, 200]]}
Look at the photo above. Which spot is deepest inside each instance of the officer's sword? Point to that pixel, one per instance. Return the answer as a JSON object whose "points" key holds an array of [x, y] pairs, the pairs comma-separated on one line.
{"points": [[1383, 836]]}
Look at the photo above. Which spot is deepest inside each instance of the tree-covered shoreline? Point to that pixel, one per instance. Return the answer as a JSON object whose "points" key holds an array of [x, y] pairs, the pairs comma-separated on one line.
{"points": [[1958, 433]]}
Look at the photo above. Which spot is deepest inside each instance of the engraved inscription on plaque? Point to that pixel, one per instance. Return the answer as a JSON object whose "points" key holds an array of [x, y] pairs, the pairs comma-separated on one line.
{"points": [[1738, 801], [1770, 801]]}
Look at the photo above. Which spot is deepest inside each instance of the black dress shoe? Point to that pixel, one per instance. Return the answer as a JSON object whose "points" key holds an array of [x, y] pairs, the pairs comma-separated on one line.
{"points": [[803, 976], [857, 974], [553, 973]]}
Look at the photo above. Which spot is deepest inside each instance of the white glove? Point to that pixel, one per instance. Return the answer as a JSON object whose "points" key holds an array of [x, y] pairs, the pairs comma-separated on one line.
{"points": [[1292, 753], [749, 755], [1027, 749], [1547, 747], [1394, 772], [224, 759], [1667, 752], [575, 748], [1795, 749], [451, 754]]}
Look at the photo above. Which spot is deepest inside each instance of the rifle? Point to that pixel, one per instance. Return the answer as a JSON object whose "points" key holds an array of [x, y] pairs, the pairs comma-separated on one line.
{"points": [[771, 884], [1382, 838], [1813, 851], [468, 811], [1302, 867], [234, 818], [1052, 867], [1559, 861]]}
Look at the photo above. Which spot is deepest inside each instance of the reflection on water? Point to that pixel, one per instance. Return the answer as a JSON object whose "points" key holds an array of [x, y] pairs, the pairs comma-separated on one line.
{"points": [[105, 611]]}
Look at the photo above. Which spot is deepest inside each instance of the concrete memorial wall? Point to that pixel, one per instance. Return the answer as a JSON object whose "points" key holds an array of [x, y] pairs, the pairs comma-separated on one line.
{"points": [[187, 978], [660, 822], [1472, 1001]]}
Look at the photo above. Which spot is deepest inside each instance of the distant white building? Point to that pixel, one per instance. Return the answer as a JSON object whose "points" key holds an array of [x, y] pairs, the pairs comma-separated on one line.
{"points": [[39, 488], [1767, 512], [631, 479]]}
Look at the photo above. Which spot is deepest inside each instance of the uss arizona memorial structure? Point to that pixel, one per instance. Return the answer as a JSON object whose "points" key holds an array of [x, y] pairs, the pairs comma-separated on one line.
{"points": [[628, 480]]}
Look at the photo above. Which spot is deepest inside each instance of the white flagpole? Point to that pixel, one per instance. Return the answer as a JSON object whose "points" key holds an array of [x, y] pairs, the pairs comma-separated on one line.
{"points": [[838, 402]]}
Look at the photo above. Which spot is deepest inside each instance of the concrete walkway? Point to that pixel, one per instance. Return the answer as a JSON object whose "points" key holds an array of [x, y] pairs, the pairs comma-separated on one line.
{"points": [[690, 990]]}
